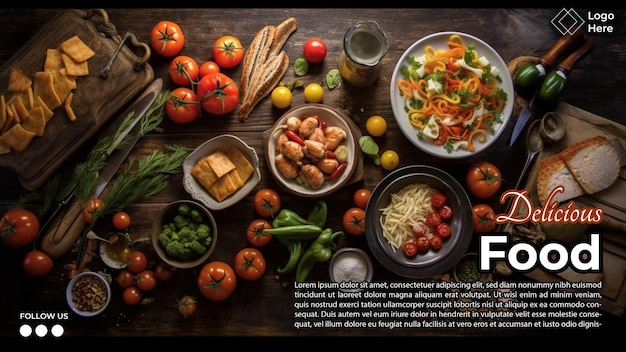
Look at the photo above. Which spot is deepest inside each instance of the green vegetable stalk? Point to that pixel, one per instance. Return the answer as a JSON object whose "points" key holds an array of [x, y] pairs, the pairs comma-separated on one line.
{"points": [[318, 252], [318, 214], [295, 252], [288, 217], [295, 232]]}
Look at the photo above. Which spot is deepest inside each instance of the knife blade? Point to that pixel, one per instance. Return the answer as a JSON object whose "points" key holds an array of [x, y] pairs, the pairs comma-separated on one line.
{"points": [[522, 119], [68, 226]]}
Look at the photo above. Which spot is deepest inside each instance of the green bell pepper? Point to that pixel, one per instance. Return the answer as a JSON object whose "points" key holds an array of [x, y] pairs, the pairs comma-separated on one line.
{"points": [[295, 232], [320, 250], [295, 252], [288, 217], [318, 214]]}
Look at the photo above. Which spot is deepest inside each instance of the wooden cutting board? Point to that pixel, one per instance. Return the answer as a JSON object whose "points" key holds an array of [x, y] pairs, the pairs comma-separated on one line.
{"points": [[96, 99]]}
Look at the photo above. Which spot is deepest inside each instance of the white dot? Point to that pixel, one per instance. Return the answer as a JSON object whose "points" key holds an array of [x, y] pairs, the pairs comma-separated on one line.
{"points": [[57, 330], [41, 330], [26, 330]]}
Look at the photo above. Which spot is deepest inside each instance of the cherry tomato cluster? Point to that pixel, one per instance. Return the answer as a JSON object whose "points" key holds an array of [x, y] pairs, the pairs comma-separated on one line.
{"points": [[354, 218], [138, 278], [433, 231]]}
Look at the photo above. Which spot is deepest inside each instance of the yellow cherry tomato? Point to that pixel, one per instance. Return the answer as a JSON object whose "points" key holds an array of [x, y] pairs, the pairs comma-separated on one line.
{"points": [[376, 126], [313, 93], [281, 97], [389, 159]]}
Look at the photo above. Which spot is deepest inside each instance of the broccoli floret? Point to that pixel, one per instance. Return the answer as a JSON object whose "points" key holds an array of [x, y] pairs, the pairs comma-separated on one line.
{"points": [[178, 250], [184, 210], [207, 241], [187, 234], [196, 216], [203, 231], [164, 238], [180, 221], [197, 247]]}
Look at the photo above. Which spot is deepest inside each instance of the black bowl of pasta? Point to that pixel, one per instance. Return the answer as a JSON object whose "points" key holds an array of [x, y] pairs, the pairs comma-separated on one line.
{"points": [[405, 214]]}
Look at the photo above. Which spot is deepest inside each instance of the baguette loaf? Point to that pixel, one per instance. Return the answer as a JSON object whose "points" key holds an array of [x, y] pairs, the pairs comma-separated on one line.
{"points": [[586, 167]]}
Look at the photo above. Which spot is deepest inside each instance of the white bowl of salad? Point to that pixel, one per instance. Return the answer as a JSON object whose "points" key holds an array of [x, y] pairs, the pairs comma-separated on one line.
{"points": [[451, 94]]}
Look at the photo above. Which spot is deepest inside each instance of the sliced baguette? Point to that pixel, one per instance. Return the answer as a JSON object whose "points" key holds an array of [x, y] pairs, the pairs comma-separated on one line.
{"points": [[552, 173], [594, 163], [283, 31], [265, 78], [262, 40]]}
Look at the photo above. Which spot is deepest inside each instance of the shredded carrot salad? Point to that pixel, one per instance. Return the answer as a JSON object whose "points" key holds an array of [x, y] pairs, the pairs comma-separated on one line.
{"points": [[452, 96]]}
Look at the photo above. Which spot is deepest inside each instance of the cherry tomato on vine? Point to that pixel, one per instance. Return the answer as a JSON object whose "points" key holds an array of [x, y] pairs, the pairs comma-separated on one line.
{"points": [[137, 262], [249, 264], [354, 221], [132, 295], [255, 234], [92, 209], [209, 67], [167, 38], [314, 50], [164, 271], [483, 179], [218, 93], [146, 280], [227, 51], [125, 278], [483, 218], [361, 197], [187, 306], [217, 281], [121, 220], [183, 105], [37, 263], [19, 227], [267, 202], [184, 70]]}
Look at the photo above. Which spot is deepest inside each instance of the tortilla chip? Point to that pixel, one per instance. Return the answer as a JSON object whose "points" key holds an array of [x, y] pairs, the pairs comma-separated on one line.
{"points": [[203, 172], [242, 165], [18, 81], [44, 87], [36, 121], [226, 185], [20, 108], [46, 110], [53, 60], [18, 138], [73, 68], [77, 49], [220, 163]]}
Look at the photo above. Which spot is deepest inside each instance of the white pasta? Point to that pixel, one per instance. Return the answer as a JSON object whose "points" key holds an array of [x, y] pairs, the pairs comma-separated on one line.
{"points": [[409, 205]]}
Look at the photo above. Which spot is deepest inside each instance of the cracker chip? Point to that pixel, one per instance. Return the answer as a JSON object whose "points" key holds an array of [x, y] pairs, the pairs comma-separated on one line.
{"points": [[44, 88], [68, 107], [226, 185], [46, 110], [36, 121], [18, 81], [242, 165], [203, 172], [20, 108], [220, 163], [62, 83], [17, 137], [53, 60], [75, 48], [73, 68]]}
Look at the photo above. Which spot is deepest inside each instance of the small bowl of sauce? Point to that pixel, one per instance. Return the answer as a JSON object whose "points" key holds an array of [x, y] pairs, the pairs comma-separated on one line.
{"points": [[115, 253]]}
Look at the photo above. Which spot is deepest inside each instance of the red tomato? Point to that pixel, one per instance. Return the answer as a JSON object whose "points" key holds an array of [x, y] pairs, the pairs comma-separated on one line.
{"points": [[435, 242], [209, 67], [315, 50], [445, 212], [361, 197], [218, 93], [438, 200], [443, 230], [409, 248], [146, 280], [250, 264], [227, 51], [433, 219], [354, 221], [187, 306], [164, 271], [217, 281], [483, 179], [266, 202], [484, 218], [126, 279], [183, 105], [92, 209], [137, 262], [167, 38], [423, 244], [19, 227], [419, 229], [255, 234], [184, 70], [132, 295], [37, 263], [121, 220]]}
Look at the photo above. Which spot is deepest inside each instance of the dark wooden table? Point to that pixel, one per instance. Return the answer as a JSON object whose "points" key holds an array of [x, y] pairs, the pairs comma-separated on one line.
{"points": [[265, 307]]}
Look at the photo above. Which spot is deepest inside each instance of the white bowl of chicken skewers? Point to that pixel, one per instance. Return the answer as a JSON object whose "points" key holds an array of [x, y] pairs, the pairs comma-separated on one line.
{"points": [[311, 150]]}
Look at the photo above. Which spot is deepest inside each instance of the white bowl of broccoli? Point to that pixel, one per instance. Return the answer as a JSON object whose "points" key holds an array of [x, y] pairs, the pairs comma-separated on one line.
{"points": [[184, 234]]}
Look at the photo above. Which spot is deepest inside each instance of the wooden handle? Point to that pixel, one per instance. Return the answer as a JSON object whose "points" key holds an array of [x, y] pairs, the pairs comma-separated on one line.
{"points": [[567, 41], [63, 231], [567, 64]]}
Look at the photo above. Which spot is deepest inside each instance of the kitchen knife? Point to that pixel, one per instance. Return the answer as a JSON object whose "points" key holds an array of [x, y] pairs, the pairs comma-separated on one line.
{"points": [[65, 230], [522, 119]]}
